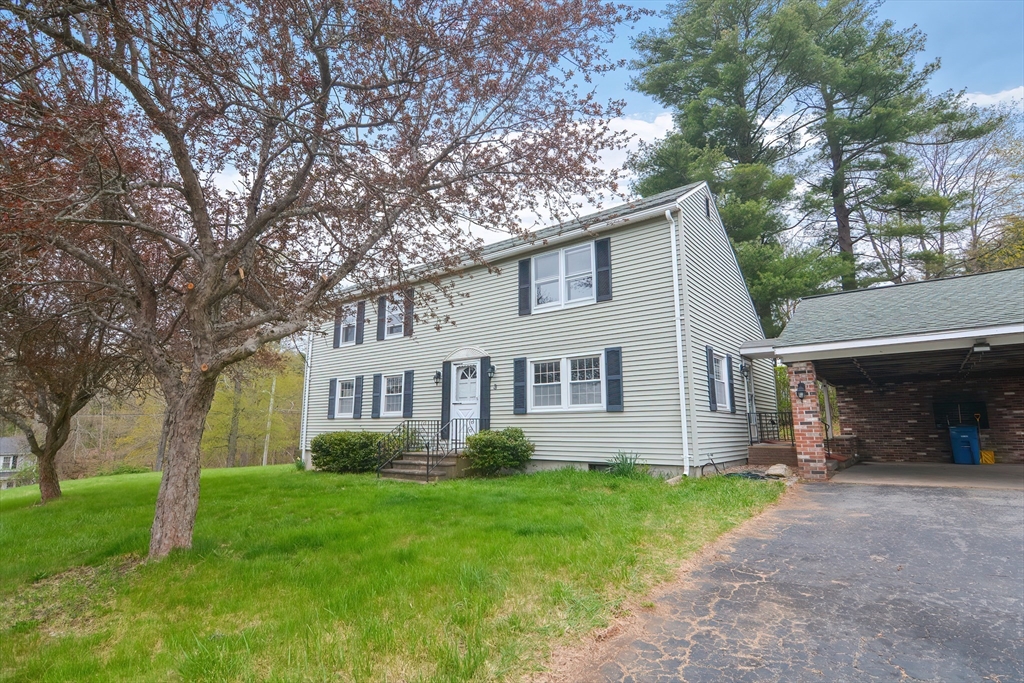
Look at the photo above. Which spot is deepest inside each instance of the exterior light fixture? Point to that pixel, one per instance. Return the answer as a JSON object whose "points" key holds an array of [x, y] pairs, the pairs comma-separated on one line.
{"points": [[801, 391], [437, 378], [490, 372], [981, 346], [745, 369]]}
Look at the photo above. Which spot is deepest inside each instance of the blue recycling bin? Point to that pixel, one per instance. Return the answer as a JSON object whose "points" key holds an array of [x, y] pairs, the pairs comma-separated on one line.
{"points": [[966, 446]]}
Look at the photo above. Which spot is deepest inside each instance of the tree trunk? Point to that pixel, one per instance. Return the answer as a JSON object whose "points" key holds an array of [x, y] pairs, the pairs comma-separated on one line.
{"points": [[162, 447], [178, 499], [49, 483], [236, 409]]}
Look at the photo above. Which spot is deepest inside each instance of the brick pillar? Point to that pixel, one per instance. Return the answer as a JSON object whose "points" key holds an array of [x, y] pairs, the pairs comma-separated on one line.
{"points": [[807, 432]]}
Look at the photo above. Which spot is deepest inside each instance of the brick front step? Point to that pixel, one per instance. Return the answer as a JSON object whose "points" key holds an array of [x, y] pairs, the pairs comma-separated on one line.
{"points": [[772, 454]]}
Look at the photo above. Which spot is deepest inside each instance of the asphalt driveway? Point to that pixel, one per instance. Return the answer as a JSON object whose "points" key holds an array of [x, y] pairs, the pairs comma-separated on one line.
{"points": [[845, 583]]}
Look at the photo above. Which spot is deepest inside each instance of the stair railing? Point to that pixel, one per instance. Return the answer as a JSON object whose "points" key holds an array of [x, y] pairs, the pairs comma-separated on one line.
{"points": [[451, 439], [409, 436]]}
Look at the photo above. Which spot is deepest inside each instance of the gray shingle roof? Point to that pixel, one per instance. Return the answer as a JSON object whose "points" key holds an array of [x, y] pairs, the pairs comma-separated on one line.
{"points": [[14, 445], [957, 303], [538, 236]]}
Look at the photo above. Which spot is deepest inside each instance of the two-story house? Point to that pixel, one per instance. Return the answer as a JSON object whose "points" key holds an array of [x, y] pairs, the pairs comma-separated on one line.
{"points": [[617, 332]]}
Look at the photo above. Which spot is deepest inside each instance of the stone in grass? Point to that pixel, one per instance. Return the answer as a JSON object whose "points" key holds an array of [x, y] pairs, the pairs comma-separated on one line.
{"points": [[780, 471], [674, 480]]}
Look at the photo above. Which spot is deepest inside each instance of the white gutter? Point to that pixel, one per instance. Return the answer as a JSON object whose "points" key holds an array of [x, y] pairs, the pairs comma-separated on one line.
{"points": [[680, 363], [687, 342], [996, 335], [306, 459]]}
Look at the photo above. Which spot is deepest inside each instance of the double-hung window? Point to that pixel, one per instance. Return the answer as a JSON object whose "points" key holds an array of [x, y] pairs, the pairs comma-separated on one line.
{"points": [[348, 327], [8, 462], [394, 325], [721, 382], [563, 278], [346, 397], [570, 383], [393, 389]]}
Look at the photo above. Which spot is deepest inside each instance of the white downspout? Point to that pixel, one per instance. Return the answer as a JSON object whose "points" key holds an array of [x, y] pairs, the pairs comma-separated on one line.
{"points": [[679, 341], [306, 460]]}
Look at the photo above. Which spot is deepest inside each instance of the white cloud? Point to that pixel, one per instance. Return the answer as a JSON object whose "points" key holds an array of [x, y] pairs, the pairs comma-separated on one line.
{"points": [[985, 100]]}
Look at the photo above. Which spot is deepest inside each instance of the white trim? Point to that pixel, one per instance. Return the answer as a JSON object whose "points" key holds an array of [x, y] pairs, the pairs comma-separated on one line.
{"points": [[306, 457], [565, 384], [467, 353], [680, 363], [337, 398], [725, 381], [687, 338], [384, 395], [996, 335]]}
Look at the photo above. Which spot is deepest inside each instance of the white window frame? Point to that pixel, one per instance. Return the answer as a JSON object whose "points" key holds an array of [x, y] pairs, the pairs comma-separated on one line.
{"points": [[394, 312], [384, 412], [565, 383], [562, 294], [337, 398], [348, 321], [8, 462], [722, 401]]}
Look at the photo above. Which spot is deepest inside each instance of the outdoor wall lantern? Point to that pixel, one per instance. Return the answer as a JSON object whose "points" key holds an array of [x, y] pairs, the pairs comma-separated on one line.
{"points": [[490, 372], [801, 391], [745, 369], [437, 378]]}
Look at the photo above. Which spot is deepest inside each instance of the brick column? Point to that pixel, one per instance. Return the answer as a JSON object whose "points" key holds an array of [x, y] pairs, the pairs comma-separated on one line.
{"points": [[807, 432]]}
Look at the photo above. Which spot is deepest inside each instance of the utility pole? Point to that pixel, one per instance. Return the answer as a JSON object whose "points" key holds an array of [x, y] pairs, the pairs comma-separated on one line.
{"points": [[270, 414]]}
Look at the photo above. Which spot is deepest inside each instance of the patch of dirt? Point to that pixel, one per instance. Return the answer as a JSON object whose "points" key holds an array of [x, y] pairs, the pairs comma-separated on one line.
{"points": [[569, 660], [68, 602]]}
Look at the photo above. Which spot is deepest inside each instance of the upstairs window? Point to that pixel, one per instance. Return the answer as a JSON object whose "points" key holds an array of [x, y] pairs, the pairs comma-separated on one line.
{"points": [[395, 322], [563, 278], [348, 327], [721, 382]]}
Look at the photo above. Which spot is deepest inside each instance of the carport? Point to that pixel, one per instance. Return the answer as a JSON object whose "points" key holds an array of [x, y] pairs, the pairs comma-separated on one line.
{"points": [[906, 362]]}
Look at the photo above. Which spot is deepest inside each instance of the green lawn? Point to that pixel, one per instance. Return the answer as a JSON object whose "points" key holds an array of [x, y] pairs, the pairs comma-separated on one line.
{"points": [[300, 576]]}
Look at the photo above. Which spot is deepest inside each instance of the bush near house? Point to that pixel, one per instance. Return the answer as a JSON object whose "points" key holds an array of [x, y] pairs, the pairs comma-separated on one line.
{"points": [[345, 451], [490, 452]]}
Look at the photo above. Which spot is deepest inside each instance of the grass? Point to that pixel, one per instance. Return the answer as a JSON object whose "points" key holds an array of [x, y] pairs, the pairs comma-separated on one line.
{"points": [[300, 576]]}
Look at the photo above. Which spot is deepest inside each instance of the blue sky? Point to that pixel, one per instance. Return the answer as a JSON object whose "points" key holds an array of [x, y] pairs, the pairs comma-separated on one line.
{"points": [[980, 43]]}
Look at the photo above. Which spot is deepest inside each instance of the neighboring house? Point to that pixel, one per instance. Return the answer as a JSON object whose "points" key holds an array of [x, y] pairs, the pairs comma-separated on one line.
{"points": [[907, 362], [606, 334], [14, 455]]}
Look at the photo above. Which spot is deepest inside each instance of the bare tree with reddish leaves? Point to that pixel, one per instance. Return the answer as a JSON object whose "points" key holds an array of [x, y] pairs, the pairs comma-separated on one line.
{"points": [[54, 359], [237, 162]]}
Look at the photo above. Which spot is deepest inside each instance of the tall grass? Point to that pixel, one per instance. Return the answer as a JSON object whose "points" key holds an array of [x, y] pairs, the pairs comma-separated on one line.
{"points": [[307, 576]]}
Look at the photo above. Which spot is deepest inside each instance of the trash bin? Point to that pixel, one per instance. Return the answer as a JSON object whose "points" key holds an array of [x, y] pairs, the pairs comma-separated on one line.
{"points": [[966, 446]]}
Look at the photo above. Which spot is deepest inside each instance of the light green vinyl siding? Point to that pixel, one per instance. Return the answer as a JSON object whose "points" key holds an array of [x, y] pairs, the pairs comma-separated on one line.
{"points": [[721, 315]]}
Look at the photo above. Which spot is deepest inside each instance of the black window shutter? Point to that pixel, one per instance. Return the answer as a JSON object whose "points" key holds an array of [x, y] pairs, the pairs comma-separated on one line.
{"points": [[524, 287], [485, 393], [357, 399], [446, 398], [408, 317], [613, 379], [603, 260], [375, 401], [407, 384], [732, 384], [360, 321], [519, 386], [332, 399], [382, 314], [337, 327], [710, 352]]}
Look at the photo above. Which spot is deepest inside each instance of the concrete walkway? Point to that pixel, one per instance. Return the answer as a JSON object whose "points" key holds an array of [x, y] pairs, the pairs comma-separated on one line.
{"points": [[998, 476], [841, 583]]}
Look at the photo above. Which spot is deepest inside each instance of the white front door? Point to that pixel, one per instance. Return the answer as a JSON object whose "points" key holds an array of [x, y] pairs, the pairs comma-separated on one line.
{"points": [[466, 397]]}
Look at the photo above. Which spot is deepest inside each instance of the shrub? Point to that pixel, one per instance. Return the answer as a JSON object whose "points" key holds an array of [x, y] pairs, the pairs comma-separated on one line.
{"points": [[627, 464], [123, 468], [490, 452], [345, 451], [26, 475]]}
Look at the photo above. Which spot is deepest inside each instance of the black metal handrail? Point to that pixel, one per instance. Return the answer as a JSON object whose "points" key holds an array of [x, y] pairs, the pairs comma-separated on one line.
{"points": [[771, 427], [410, 436], [451, 439]]}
